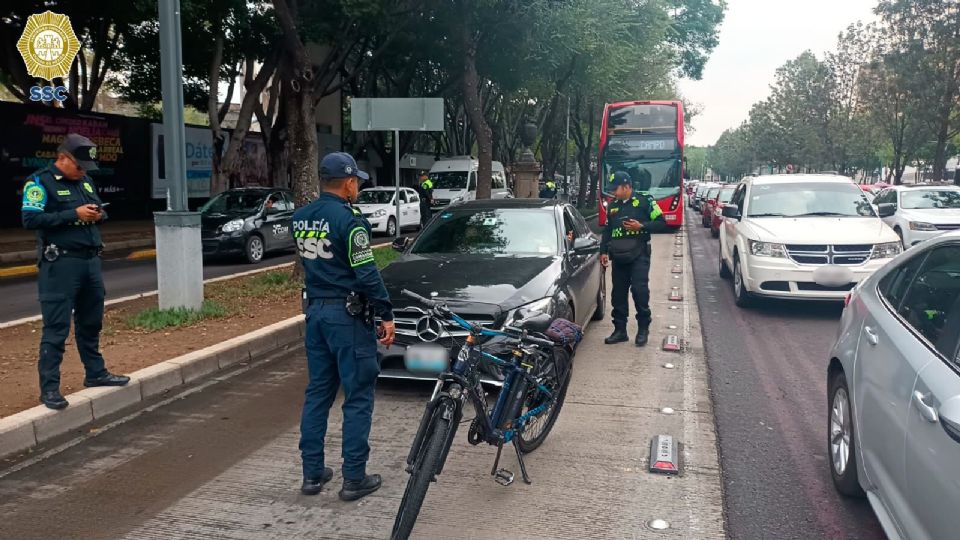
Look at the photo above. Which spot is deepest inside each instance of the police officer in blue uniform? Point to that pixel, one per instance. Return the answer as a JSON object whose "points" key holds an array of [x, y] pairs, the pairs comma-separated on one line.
{"points": [[626, 243], [549, 190], [344, 291], [60, 202]]}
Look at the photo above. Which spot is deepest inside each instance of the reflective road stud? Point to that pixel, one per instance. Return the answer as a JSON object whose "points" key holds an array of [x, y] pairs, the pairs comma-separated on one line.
{"points": [[677, 270], [664, 457], [671, 343]]}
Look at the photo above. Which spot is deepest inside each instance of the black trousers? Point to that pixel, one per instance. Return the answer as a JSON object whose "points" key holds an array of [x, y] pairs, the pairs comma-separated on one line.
{"points": [[632, 277], [425, 214], [70, 284]]}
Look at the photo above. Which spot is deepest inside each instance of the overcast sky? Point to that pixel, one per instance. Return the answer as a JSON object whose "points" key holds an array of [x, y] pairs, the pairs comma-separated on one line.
{"points": [[756, 38]]}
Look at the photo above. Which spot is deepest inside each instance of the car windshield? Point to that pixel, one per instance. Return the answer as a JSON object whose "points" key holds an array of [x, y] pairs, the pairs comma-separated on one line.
{"points": [[234, 202], [494, 231], [930, 199], [726, 194], [808, 199], [375, 196], [712, 193], [449, 180]]}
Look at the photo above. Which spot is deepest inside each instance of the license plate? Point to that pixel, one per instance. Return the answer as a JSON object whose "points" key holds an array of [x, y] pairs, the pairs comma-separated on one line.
{"points": [[671, 217], [426, 359]]}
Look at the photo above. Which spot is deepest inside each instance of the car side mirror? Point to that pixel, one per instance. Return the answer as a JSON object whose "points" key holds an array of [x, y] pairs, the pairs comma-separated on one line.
{"points": [[401, 244], [886, 209], [585, 244], [731, 211]]}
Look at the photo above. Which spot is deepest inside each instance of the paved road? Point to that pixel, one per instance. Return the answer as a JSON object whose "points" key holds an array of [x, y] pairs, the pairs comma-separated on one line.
{"points": [[222, 462], [124, 278], [768, 379]]}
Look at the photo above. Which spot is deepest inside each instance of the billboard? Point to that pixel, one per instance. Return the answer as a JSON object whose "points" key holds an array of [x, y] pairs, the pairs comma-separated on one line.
{"points": [[198, 143]]}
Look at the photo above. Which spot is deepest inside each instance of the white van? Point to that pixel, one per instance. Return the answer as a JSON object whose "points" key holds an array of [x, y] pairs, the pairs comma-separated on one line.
{"points": [[455, 180]]}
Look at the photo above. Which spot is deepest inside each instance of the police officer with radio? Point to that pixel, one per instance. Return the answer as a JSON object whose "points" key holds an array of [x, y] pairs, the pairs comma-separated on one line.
{"points": [[626, 243], [60, 202], [344, 291]]}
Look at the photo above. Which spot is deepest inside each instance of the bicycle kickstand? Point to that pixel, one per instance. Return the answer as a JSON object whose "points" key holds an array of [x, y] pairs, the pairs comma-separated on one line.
{"points": [[523, 468]]}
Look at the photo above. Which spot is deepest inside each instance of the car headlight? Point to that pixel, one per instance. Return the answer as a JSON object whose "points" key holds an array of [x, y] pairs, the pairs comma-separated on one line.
{"points": [[886, 250], [232, 226], [718, 212], [767, 249], [543, 305], [921, 226], [380, 213]]}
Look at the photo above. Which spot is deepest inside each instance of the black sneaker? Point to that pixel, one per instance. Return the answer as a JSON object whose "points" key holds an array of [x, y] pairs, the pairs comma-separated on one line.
{"points": [[357, 489], [642, 337], [107, 380], [54, 400], [619, 335], [312, 486]]}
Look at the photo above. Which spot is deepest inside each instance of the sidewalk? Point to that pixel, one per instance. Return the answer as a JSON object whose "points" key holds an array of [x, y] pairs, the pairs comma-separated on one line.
{"points": [[18, 245]]}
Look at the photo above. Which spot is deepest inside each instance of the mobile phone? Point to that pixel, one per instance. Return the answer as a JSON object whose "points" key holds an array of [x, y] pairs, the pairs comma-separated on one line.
{"points": [[101, 206]]}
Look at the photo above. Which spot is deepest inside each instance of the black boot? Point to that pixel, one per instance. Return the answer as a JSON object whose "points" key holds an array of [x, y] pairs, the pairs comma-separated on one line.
{"points": [[53, 399], [356, 489], [642, 337], [312, 486], [619, 335]]}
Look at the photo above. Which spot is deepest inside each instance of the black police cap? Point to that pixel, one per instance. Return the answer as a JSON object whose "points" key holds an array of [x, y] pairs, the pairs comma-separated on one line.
{"points": [[82, 149]]}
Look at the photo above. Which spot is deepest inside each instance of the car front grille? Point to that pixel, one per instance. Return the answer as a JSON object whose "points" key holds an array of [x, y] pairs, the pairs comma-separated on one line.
{"points": [[406, 323], [809, 286], [948, 227], [820, 254]]}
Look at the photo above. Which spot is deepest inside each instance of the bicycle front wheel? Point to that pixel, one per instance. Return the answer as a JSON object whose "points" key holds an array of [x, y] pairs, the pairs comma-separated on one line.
{"points": [[554, 374], [426, 465]]}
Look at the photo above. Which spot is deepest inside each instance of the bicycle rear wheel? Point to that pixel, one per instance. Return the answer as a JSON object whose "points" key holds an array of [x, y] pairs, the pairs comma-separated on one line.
{"points": [[426, 465], [554, 375]]}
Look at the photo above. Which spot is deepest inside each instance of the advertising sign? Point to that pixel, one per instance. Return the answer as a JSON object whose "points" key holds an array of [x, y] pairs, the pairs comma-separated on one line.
{"points": [[198, 143]]}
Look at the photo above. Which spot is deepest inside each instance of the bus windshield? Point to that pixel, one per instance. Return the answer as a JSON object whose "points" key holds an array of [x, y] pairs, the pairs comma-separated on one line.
{"points": [[659, 178]]}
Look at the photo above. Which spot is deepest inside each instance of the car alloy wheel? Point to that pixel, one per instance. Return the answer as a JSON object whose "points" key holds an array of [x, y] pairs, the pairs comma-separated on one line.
{"points": [[391, 227], [254, 249], [840, 432], [742, 296]]}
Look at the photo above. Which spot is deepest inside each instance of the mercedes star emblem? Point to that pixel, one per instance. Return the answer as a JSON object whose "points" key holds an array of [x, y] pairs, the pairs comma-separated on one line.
{"points": [[429, 329]]}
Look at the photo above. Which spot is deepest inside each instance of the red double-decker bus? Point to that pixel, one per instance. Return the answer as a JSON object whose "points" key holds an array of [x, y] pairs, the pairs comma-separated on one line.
{"points": [[645, 140]]}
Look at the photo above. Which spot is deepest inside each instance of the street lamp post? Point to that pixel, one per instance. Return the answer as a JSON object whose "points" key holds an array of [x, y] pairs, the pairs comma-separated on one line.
{"points": [[179, 251], [566, 152]]}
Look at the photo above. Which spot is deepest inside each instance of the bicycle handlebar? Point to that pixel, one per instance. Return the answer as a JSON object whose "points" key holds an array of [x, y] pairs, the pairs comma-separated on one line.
{"points": [[441, 309]]}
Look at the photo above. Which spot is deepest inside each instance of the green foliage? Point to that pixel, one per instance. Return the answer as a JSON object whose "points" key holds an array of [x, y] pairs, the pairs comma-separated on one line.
{"points": [[384, 256], [154, 319]]}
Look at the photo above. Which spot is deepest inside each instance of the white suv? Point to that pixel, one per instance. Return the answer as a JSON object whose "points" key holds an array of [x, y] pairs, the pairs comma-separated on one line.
{"points": [[922, 212], [801, 236]]}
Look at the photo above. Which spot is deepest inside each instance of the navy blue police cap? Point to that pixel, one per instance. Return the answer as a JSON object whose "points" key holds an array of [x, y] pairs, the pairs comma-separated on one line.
{"points": [[82, 149], [340, 165], [620, 178]]}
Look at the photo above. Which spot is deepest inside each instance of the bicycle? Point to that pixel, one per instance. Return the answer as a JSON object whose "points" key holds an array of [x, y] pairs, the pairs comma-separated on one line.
{"points": [[536, 376]]}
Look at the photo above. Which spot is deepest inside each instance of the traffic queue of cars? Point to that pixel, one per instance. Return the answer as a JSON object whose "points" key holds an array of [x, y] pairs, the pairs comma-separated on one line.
{"points": [[893, 417]]}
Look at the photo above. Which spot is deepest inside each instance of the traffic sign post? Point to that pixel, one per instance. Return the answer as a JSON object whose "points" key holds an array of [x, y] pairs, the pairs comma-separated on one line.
{"points": [[396, 115]]}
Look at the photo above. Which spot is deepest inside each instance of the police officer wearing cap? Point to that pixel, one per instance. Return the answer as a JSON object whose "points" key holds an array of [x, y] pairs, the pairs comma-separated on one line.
{"points": [[626, 243], [344, 291], [425, 191], [549, 190], [60, 202]]}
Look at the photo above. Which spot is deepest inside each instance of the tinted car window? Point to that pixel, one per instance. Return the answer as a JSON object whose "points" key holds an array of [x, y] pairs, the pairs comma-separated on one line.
{"points": [[932, 296], [413, 197], [738, 197], [495, 231], [375, 196], [895, 284], [234, 202]]}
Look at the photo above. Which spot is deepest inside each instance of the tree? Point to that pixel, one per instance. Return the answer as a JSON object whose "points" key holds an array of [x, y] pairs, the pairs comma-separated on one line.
{"points": [[927, 32]]}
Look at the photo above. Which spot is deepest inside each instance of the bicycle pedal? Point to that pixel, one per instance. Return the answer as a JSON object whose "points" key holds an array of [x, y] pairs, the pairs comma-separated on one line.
{"points": [[503, 477]]}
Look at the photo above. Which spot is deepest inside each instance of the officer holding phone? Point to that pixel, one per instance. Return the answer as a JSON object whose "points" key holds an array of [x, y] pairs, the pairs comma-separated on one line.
{"points": [[626, 244], [61, 203]]}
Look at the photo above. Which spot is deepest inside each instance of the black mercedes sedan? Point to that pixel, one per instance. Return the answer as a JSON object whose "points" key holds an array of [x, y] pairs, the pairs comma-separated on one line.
{"points": [[247, 221], [489, 259]]}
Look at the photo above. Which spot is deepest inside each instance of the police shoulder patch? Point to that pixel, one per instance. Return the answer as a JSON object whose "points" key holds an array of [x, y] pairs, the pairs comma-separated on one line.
{"points": [[34, 196], [359, 250]]}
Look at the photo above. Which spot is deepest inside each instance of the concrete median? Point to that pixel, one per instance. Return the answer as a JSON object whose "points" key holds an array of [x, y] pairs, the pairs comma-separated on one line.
{"points": [[25, 431]]}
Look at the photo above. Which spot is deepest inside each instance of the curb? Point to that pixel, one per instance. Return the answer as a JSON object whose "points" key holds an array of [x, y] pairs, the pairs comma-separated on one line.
{"points": [[18, 271], [27, 429], [111, 247], [142, 254]]}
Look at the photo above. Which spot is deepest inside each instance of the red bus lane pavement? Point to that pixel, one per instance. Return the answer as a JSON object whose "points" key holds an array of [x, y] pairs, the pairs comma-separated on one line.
{"points": [[221, 461]]}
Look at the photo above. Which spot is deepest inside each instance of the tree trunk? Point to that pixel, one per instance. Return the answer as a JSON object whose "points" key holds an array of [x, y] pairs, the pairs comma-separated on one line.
{"points": [[474, 107], [218, 179], [302, 146], [251, 99]]}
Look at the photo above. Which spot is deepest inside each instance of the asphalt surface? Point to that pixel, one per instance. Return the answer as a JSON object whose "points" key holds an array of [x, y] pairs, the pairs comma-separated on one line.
{"points": [[126, 278], [768, 380]]}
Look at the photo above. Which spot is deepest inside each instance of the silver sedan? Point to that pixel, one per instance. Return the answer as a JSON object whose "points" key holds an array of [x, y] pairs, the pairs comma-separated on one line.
{"points": [[894, 393]]}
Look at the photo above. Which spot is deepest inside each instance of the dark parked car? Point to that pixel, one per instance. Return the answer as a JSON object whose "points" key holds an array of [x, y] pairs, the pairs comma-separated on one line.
{"points": [[248, 222], [489, 260]]}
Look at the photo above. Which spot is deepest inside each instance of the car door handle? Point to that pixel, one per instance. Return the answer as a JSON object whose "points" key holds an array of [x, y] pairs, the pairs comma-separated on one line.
{"points": [[926, 411], [871, 335]]}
